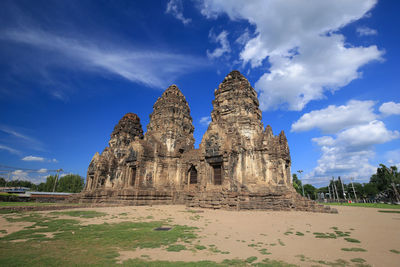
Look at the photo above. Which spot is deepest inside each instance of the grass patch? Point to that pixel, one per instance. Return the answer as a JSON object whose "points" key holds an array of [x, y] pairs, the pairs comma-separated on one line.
{"points": [[366, 205], [123, 214], [389, 211], [24, 204], [354, 249], [251, 259], [299, 234], [342, 234], [74, 244], [80, 213], [288, 233], [264, 251], [176, 248], [352, 240], [324, 235], [199, 247], [358, 260], [281, 242], [394, 251]]}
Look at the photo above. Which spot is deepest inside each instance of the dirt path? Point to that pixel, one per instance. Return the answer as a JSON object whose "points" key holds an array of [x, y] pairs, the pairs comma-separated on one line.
{"points": [[286, 236]]}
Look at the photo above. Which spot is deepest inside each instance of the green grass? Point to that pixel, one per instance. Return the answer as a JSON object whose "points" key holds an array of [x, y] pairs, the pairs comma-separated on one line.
{"points": [[281, 242], [358, 260], [354, 249], [366, 205], [199, 247], [324, 235], [76, 244], [251, 259], [352, 240], [299, 234], [80, 213], [389, 211], [24, 204], [264, 251], [176, 248], [395, 251]]}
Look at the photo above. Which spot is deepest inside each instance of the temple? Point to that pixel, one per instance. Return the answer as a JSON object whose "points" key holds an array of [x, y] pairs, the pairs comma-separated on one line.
{"points": [[238, 165]]}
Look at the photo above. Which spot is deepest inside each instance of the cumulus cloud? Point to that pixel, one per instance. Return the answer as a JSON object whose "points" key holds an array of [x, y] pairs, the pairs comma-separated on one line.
{"points": [[19, 175], [152, 68], [175, 8], [301, 41], [334, 118], [33, 158], [365, 31], [390, 108], [354, 132], [222, 40], [205, 120], [349, 152]]}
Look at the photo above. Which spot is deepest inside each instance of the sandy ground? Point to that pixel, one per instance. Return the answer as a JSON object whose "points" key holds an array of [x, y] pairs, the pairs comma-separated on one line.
{"points": [[243, 234]]}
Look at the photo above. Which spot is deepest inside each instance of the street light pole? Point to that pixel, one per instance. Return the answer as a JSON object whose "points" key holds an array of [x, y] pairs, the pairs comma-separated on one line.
{"points": [[56, 178], [302, 187], [354, 191]]}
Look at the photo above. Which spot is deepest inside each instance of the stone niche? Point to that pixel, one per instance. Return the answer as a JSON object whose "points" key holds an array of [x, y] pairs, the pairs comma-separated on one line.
{"points": [[238, 165]]}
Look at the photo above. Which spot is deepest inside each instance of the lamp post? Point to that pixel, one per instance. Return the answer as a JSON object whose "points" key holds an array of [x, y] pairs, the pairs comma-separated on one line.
{"points": [[56, 178], [302, 187]]}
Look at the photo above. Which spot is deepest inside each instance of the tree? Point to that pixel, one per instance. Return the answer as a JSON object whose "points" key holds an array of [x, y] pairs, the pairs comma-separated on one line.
{"points": [[310, 190], [71, 183], [297, 183]]}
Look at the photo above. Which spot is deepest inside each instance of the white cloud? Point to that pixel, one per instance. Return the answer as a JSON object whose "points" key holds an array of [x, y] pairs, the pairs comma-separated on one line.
{"points": [[33, 158], [222, 39], [205, 120], [19, 175], [243, 38], [149, 67], [365, 31], [393, 157], [349, 153], [21, 139], [175, 8], [335, 118], [390, 108], [9, 149], [300, 39], [54, 160], [43, 170]]}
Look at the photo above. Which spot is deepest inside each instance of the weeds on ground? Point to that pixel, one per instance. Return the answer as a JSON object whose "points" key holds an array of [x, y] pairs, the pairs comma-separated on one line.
{"points": [[354, 249], [352, 240], [389, 211], [80, 213], [251, 259], [175, 248], [395, 251]]}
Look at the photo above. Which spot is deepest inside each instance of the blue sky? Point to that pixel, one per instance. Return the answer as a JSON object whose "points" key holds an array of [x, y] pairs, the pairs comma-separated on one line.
{"points": [[326, 72]]}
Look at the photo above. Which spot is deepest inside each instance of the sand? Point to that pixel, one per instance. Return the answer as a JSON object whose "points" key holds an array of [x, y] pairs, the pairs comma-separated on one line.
{"points": [[242, 234]]}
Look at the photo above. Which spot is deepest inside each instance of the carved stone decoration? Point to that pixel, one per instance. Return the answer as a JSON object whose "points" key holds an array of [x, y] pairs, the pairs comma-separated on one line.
{"points": [[238, 165]]}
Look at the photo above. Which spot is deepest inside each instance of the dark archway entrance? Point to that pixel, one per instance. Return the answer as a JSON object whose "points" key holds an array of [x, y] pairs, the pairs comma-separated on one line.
{"points": [[193, 175]]}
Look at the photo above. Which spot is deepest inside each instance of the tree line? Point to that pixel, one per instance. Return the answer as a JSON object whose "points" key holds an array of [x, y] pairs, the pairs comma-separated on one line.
{"points": [[71, 183], [384, 186]]}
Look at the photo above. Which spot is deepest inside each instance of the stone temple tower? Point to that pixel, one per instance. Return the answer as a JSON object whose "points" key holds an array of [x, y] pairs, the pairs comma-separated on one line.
{"points": [[238, 165]]}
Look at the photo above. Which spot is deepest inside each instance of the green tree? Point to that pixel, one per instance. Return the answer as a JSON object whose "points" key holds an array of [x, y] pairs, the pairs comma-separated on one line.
{"points": [[71, 183], [297, 183], [310, 190], [2, 181], [384, 177]]}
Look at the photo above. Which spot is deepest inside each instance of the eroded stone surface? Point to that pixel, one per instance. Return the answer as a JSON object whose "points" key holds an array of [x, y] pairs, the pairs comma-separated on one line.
{"points": [[238, 165]]}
